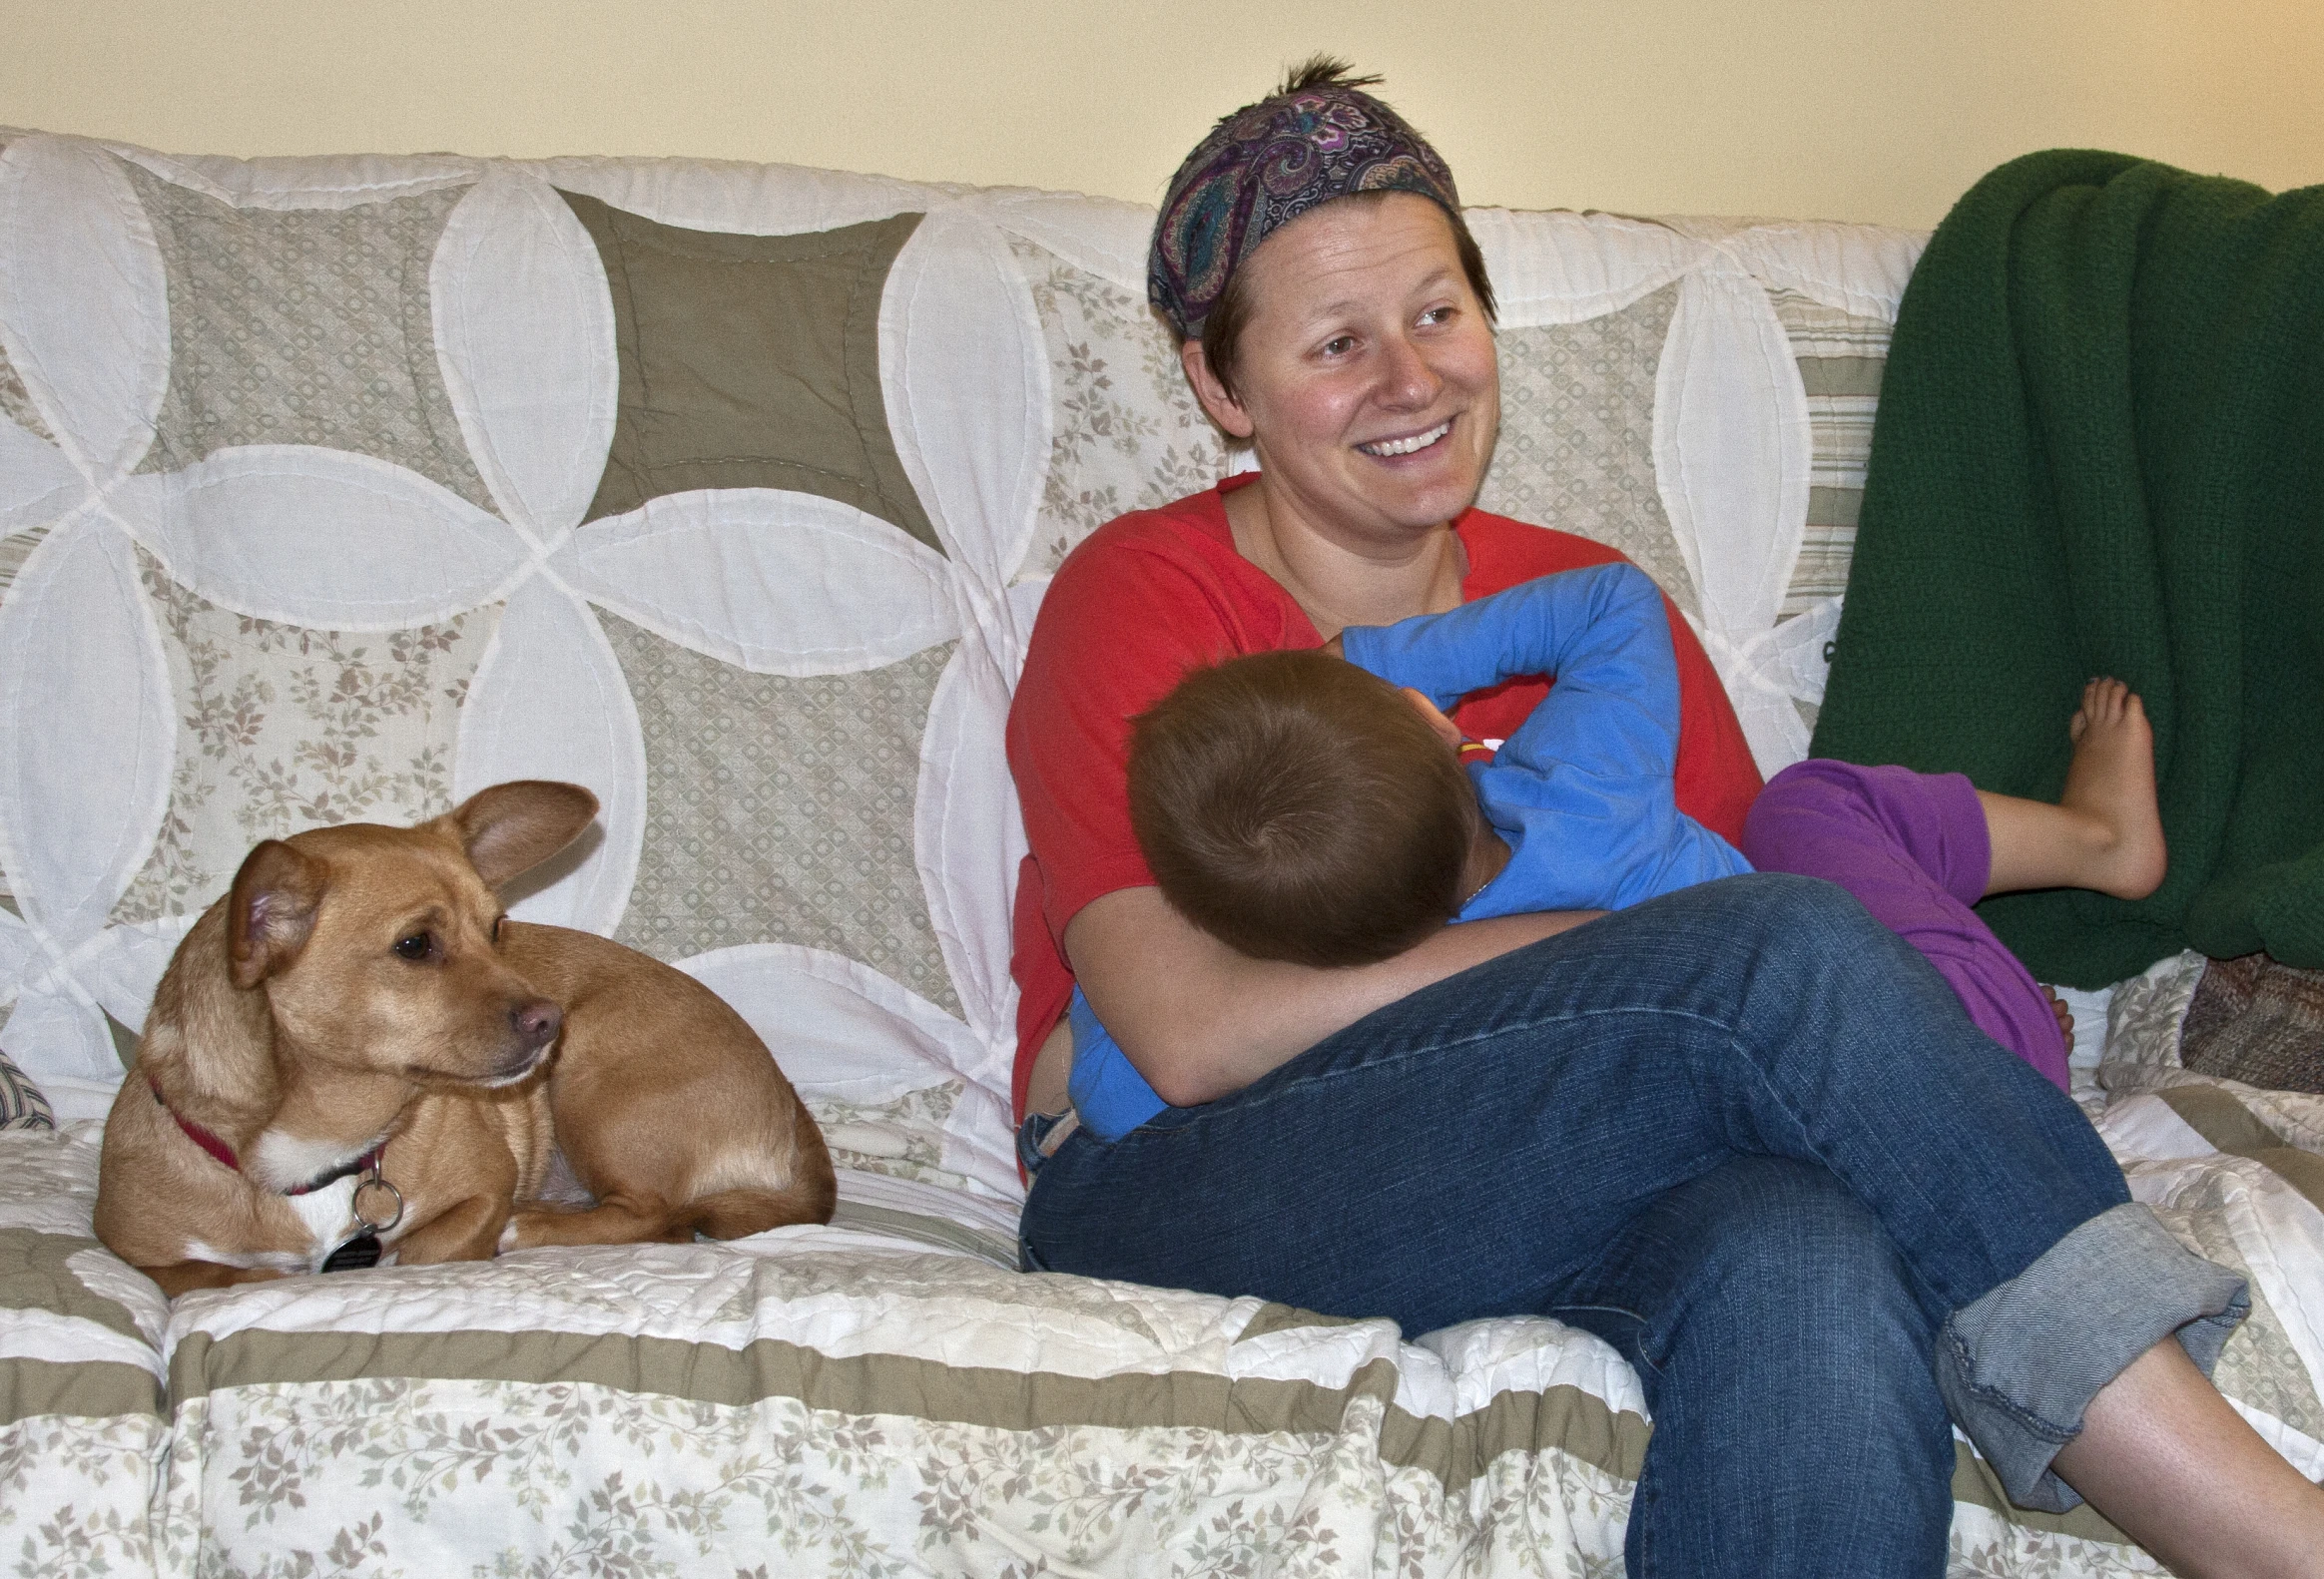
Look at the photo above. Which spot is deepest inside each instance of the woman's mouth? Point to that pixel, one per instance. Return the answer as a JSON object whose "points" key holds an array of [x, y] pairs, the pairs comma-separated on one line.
{"points": [[1404, 446]]}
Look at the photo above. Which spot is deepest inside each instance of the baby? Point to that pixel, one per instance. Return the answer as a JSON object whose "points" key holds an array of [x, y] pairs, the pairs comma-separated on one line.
{"points": [[1300, 806]]}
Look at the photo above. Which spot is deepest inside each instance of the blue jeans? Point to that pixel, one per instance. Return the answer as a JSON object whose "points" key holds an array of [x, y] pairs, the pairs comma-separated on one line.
{"points": [[1750, 1138]]}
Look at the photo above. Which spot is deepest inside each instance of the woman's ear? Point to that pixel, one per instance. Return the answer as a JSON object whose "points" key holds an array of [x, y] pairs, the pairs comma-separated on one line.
{"points": [[1223, 407]]}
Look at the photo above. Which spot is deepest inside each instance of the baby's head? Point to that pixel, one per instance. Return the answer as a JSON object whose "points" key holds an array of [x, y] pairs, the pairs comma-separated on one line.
{"points": [[1296, 808]]}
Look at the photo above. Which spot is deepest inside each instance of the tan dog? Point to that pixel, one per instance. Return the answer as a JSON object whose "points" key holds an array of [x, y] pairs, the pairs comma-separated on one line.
{"points": [[355, 1040]]}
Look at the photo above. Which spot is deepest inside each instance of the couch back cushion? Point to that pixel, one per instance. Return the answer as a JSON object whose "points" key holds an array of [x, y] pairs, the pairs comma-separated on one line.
{"points": [[336, 489]]}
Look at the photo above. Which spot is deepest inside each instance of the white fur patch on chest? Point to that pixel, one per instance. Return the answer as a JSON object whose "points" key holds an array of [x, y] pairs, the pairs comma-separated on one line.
{"points": [[329, 1217], [281, 1161], [328, 1212]]}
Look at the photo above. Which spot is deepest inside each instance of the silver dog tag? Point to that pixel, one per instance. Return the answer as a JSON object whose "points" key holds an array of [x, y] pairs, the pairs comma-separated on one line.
{"points": [[364, 1249]]}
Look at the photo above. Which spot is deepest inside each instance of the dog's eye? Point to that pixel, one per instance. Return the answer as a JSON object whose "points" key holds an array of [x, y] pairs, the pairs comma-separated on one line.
{"points": [[415, 947]]}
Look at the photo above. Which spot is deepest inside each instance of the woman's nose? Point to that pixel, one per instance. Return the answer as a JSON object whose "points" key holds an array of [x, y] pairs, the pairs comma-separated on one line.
{"points": [[1406, 378]]}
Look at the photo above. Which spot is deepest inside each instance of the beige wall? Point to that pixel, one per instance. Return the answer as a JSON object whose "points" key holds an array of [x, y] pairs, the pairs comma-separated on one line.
{"points": [[1880, 110]]}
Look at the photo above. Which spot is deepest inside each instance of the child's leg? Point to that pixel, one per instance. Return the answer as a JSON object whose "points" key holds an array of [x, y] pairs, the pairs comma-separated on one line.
{"points": [[1914, 851], [2105, 832]]}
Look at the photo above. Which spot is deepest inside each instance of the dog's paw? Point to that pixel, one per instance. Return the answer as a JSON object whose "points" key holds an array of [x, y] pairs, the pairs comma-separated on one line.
{"points": [[530, 1226]]}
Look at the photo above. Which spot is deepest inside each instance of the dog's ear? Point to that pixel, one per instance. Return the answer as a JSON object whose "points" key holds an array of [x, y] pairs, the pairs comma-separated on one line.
{"points": [[269, 911], [513, 826]]}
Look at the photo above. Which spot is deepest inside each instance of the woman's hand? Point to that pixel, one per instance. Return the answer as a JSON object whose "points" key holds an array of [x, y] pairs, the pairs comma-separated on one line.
{"points": [[1199, 1020]]}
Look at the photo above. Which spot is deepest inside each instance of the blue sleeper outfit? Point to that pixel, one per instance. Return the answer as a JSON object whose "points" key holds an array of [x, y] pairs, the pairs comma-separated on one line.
{"points": [[1583, 791], [1581, 794]]}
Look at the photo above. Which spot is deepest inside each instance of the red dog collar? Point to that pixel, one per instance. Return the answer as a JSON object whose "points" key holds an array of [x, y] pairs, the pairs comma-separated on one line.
{"points": [[224, 1153]]}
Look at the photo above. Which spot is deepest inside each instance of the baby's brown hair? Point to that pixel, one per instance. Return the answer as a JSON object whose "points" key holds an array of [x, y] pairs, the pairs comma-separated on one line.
{"points": [[1296, 808]]}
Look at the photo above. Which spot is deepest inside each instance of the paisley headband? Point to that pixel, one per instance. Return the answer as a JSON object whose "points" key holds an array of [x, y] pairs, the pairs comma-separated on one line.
{"points": [[1265, 166]]}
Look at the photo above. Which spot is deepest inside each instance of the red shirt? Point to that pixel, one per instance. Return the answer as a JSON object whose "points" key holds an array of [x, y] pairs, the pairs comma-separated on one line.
{"points": [[1157, 593]]}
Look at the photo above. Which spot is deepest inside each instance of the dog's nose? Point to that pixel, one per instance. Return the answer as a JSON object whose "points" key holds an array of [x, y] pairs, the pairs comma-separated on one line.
{"points": [[537, 1023]]}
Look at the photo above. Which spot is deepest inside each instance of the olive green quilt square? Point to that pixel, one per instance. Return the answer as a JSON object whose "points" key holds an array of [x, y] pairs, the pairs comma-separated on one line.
{"points": [[751, 361]]}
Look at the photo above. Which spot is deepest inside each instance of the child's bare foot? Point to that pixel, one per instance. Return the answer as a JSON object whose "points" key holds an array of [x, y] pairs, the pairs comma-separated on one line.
{"points": [[2111, 789]]}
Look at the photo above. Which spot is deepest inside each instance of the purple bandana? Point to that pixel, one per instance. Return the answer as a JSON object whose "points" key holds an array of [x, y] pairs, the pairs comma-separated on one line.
{"points": [[1265, 166]]}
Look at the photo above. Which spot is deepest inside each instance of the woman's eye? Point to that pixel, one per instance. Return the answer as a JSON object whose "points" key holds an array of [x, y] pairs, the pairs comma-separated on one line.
{"points": [[1339, 345], [415, 947], [1437, 315]]}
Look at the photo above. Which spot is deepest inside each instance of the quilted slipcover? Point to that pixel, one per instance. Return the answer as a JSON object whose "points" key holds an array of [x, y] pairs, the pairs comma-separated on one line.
{"points": [[337, 488]]}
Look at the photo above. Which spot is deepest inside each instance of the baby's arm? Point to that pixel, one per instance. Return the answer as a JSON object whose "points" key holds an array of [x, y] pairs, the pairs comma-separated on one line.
{"points": [[1583, 791], [1601, 631]]}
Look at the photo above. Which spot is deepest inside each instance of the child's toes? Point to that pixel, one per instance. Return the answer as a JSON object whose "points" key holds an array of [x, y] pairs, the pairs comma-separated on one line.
{"points": [[2102, 699]]}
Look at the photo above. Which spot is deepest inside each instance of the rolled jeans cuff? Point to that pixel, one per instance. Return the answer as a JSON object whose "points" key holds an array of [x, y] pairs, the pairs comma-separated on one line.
{"points": [[2020, 1364]]}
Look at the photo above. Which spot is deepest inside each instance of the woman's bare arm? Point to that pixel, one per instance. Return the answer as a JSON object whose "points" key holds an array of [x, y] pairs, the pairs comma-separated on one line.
{"points": [[1200, 1020]]}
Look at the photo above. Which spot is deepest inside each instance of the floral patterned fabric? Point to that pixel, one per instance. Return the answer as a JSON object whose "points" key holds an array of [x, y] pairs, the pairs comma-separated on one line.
{"points": [[82, 1423], [1129, 433], [294, 729]]}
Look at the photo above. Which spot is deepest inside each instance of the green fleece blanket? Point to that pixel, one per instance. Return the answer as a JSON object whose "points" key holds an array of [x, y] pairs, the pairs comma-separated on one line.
{"points": [[2101, 450]]}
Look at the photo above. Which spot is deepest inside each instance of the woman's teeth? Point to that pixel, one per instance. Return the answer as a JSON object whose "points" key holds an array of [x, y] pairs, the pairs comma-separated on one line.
{"points": [[1404, 446]]}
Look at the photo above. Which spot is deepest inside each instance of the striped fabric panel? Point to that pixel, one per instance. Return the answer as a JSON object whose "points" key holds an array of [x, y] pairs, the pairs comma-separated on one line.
{"points": [[1561, 1417], [14, 551], [22, 1105], [291, 1371], [1841, 358], [64, 1347], [95, 1390]]}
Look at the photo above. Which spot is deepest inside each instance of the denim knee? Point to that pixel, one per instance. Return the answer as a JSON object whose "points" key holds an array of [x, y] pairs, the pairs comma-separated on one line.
{"points": [[1763, 1256], [1786, 1361]]}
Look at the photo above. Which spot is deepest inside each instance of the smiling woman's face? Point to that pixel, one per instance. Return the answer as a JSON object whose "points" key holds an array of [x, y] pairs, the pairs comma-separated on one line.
{"points": [[1365, 373]]}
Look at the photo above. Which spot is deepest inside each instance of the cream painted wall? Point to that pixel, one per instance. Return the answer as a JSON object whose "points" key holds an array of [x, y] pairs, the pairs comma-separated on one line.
{"points": [[1881, 109]]}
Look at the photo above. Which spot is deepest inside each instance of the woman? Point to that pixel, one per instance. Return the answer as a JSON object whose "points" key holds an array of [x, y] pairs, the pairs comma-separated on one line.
{"points": [[1742, 1132]]}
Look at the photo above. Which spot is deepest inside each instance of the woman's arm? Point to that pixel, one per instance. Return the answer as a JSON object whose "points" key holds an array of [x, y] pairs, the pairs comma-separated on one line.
{"points": [[1199, 1020]]}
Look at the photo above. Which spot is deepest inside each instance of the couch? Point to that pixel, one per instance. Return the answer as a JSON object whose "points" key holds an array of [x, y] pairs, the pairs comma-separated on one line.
{"points": [[337, 488]]}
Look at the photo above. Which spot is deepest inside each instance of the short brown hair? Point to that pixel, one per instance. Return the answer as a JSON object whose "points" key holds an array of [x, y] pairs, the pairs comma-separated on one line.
{"points": [[1296, 808]]}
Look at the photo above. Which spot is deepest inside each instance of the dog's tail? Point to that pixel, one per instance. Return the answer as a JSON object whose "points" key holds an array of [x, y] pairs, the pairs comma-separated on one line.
{"points": [[809, 1198], [735, 1213]]}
